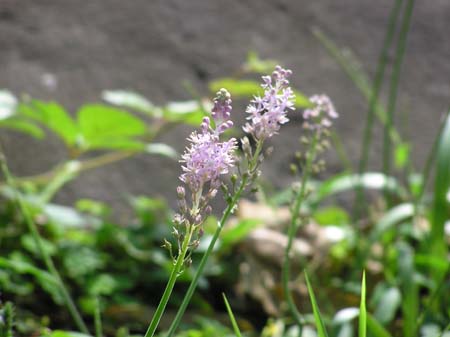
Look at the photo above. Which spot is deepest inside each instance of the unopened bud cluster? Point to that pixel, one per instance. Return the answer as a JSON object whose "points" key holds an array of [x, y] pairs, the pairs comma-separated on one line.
{"points": [[317, 124], [321, 115]]}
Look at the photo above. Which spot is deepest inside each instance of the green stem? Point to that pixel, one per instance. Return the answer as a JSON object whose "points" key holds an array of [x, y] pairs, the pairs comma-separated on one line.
{"points": [[430, 160], [170, 284], [45, 256], [292, 230], [228, 211], [379, 76], [98, 319], [393, 88]]}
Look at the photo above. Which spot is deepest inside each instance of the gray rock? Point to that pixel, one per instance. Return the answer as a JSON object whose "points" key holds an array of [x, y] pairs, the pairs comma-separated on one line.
{"points": [[70, 51]]}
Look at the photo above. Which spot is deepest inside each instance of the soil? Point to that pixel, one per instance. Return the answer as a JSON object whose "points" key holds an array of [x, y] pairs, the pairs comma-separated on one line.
{"points": [[71, 50]]}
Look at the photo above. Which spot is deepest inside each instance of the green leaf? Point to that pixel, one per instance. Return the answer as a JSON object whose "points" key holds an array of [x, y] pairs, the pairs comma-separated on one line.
{"points": [[346, 182], [103, 284], [22, 125], [162, 149], [375, 329], [431, 261], [62, 333], [409, 289], [105, 127], [94, 207], [388, 305], [129, 99], [54, 117], [236, 330], [441, 205], [402, 151], [66, 216], [362, 326], [232, 235], [29, 243], [320, 326], [124, 144], [395, 215], [237, 88], [22, 267], [257, 65], [331, 215], [80, 261]]}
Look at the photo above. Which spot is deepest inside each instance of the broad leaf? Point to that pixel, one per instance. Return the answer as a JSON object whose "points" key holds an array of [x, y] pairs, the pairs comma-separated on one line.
{"points": [[54, 117], [346, 182], [22, 125], [101, 125]]}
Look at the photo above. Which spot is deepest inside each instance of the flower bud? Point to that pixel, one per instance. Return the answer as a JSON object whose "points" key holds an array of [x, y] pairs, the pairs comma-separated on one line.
{"points": [[181, 192]]}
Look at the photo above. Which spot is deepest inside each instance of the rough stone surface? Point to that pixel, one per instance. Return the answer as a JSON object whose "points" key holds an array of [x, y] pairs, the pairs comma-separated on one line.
{"points": [[153, 46]]}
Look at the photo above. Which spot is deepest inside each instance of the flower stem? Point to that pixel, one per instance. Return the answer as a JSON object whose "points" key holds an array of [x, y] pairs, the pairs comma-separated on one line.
{"points": [[170, 284], [45, 256], [374, 95], [292, 230], [393, 89], [228, 211]]}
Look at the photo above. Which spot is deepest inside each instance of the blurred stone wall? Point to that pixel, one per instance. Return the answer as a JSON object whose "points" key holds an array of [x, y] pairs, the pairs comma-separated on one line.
{"points": [[71, 50]]}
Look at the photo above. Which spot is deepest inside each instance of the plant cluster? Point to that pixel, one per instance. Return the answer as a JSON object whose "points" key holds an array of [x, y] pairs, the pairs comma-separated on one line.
{"points": [[379, 264]]}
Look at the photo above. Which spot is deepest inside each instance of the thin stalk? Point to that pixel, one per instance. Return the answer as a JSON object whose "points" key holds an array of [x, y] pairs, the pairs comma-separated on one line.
{"points": [[228, 211], [176, 271], [429, 163], [98, 319], [393, 88], [376, 89], [374, 95], [45, 256], [292, 230], [432, 300]]}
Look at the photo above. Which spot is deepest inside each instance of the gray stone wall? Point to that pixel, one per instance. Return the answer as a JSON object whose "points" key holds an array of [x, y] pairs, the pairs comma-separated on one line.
{"points": [[152, 46]]}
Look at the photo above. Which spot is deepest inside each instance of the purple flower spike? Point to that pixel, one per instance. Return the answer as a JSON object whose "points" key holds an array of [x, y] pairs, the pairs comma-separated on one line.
{"points": [[267, 113], [321, 115], [222, 106], [207, 158]]}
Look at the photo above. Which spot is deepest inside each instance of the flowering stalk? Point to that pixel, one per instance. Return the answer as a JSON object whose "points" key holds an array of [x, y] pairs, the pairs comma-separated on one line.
{"points": [[317, 120], [169, 287], [204, 161], [228, 211], [266, 115]]}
